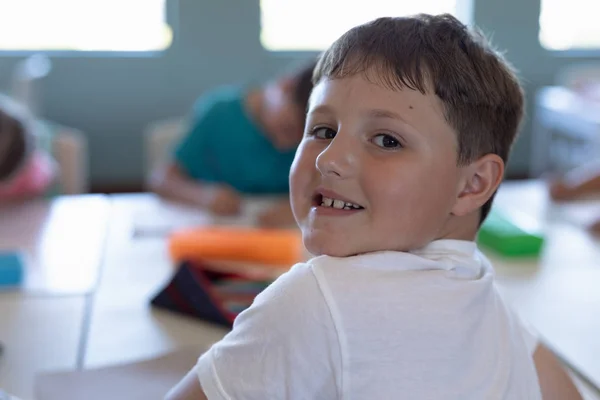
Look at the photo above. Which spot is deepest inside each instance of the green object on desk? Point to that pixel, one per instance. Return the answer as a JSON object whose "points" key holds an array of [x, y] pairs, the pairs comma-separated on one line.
{"points": [[509, 237]]}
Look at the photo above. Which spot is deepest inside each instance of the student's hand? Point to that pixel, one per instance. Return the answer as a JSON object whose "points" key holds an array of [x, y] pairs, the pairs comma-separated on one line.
{"points": [[221, 200], [595, 228], [280, 215], [561, 191]]}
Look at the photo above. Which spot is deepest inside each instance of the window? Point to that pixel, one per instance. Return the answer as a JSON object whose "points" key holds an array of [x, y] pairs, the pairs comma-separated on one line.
{"points": [[569, 25], [293, 25], [84, 25]]}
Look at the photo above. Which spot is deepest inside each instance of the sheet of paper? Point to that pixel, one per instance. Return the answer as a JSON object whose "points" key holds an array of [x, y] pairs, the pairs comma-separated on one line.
{"points": [[164, 218], [161, 218], [148, 379], [581, 213]]}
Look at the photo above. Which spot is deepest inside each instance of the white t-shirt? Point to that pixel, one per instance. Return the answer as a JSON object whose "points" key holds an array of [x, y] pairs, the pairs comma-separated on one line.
{"points": [[423, 325]]}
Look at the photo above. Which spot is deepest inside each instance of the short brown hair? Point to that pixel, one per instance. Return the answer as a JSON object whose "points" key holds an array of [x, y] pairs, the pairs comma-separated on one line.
{"points": [[15, 136], [480, 91]]}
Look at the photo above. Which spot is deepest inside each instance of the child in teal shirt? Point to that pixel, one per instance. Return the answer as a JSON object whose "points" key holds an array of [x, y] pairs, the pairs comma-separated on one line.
{"points": [[239, 142]]}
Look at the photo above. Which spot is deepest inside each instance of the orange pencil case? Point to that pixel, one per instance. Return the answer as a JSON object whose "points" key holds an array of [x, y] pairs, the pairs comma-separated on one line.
{"points": [[269, 247]]}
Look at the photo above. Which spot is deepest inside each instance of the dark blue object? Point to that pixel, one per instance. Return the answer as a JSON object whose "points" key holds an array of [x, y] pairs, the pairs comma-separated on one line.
{"points": [[202, 293]]}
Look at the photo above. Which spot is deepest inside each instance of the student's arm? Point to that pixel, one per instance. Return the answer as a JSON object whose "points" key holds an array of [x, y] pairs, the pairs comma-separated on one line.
{"points": [[579, 182], [188, 389], [172, 183], [175, 180], [556, 384]]}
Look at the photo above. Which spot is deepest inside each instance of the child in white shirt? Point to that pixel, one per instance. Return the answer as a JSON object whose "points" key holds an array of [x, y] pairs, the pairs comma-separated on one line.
{"points": [[409, 127]]}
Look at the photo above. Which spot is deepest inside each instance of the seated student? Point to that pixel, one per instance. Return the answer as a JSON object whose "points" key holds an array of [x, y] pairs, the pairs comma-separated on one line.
{"points": [[580, 182], [26, 169], [240, 142], [408, 131]]}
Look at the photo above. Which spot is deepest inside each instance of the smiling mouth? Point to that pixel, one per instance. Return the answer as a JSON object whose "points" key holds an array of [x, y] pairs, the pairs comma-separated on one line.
{"points": [[328, 202]]}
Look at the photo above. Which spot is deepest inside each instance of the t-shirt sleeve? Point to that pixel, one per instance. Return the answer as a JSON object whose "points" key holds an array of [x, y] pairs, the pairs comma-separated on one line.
{"points": [[193, 147], [284, 346], [530, 336]]}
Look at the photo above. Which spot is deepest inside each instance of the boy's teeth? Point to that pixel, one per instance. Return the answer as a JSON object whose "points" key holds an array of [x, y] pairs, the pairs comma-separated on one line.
{"points": [[338, 204]]}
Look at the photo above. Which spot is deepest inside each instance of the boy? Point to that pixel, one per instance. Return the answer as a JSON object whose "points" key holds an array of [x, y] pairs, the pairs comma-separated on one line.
{"points": [[240, 142], [409, 126]]}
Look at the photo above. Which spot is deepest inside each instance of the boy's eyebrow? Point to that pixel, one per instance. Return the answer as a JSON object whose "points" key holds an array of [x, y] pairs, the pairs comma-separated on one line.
{"points": [[322, 109], [373, 113], [381, 113]]}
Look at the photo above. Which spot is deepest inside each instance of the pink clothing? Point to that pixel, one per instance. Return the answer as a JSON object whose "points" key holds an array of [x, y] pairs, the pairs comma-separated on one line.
{"points": [[32, 180]]}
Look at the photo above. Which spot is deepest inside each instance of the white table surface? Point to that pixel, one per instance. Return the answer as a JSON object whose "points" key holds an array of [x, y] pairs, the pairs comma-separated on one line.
{"points": [[62, 241], [39, 334], [41, 321]]}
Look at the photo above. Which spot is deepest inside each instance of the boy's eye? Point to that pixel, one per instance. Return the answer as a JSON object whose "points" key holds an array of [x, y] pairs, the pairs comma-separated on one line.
{"points": [[324, 133], [386, 141]]}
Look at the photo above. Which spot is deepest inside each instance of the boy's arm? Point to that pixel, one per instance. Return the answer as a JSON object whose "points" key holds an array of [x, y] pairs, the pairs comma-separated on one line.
{"points": [[175, 180], [172, 183], [188, 389], [555, 383]]}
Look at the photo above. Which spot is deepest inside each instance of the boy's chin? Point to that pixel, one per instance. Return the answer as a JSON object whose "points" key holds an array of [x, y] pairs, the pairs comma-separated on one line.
{"points": [[327, 247]]}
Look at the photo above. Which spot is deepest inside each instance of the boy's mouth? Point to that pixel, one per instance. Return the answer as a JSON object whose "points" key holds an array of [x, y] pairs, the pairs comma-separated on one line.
{"points": [[333, 201]]}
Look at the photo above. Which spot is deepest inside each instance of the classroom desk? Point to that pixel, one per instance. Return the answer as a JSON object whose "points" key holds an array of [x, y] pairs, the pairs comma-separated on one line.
{"points": [[115, 324], [555, 294], [41, 324], [40, 334], [62, 241], [558, 294]]}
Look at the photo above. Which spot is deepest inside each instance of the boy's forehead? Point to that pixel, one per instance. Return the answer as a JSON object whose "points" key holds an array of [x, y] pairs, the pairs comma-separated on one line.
{"points": [[360, 92]]}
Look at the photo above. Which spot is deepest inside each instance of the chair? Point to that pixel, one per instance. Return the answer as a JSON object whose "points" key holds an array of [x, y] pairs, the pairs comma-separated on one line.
{"points": [[70, 148], [159, 139]]}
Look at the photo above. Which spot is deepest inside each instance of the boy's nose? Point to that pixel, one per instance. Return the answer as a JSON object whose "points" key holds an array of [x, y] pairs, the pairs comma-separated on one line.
{"points": [[339, 159]]}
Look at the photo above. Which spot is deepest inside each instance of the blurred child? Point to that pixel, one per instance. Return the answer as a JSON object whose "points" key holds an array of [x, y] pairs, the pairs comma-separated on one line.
{"points": [[409, 127], [581, 182], [26, 171], [240, 142]]}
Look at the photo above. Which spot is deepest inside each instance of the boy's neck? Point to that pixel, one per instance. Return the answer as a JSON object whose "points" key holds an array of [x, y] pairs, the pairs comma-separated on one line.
{"points": [[461, 228]]}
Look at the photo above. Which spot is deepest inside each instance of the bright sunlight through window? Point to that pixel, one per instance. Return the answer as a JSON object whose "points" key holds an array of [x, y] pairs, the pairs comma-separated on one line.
{"points": [[570, 25], [84, 25], [293, 25]]}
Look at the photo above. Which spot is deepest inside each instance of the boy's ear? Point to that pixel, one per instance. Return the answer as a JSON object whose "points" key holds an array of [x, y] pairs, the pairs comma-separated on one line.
{"points": [[480, 181]]}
